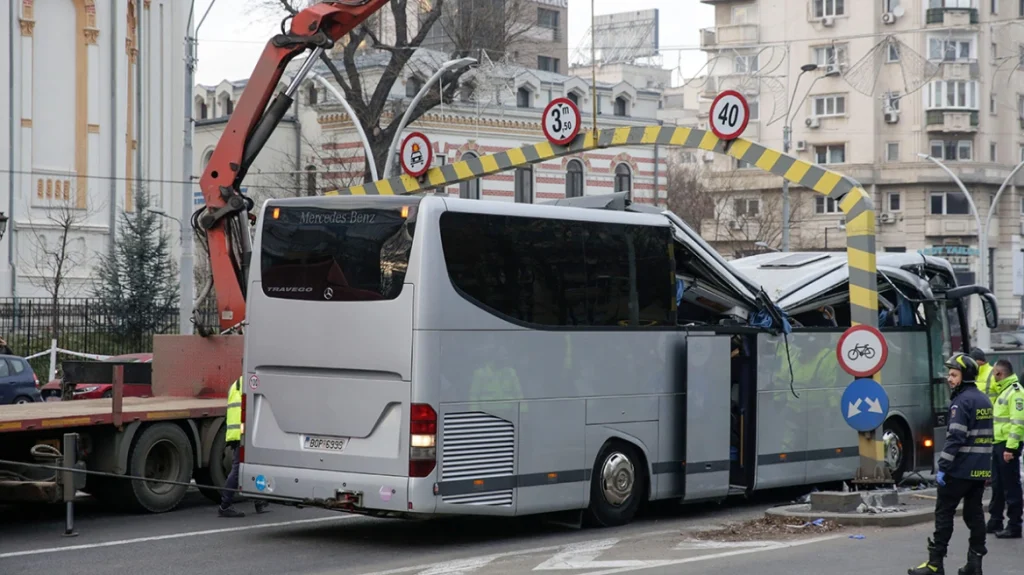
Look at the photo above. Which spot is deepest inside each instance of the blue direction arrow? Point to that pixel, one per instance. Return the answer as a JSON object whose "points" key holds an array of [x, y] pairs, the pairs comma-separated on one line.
{"points": [[865, 404]]}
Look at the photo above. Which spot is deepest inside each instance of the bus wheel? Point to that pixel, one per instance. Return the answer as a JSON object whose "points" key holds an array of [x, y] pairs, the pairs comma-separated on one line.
{"points": [[618, 484], [894, 440], [162, 452]]}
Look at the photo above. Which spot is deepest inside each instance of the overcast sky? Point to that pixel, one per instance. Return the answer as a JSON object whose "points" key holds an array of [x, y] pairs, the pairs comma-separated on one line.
{"points": [[233, 35]]}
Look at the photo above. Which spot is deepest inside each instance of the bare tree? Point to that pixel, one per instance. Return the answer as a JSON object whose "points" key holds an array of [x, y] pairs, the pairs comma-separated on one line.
{"points": [[688, 195], [58, 250], [399, 34]]}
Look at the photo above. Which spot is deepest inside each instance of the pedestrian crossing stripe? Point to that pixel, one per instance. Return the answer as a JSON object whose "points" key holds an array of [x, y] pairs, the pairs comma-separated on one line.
{"points": [[855, 203]]}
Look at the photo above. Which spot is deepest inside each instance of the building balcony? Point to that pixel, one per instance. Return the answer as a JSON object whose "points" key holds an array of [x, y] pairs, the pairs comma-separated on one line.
{"points": [[729, 35], [951, 16], [955, 121], [957, 226], [961, 70]]}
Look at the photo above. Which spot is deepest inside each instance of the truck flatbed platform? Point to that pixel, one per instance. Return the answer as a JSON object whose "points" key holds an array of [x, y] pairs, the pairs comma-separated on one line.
{"points": [[87, 412]]}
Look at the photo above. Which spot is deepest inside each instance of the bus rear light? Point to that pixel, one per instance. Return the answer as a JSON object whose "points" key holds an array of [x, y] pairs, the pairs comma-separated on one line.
{"points": [[928, 443], [422, 440]]}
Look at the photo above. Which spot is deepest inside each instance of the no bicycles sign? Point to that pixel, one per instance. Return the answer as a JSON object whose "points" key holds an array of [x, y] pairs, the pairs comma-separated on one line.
{"points": [[862, 351]]}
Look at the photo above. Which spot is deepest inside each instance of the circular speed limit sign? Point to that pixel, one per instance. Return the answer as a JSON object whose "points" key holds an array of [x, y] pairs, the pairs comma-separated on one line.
{"points": [[729, 115], [561, 121]]}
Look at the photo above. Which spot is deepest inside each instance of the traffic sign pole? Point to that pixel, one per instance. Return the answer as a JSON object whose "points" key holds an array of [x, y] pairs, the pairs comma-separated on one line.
{"points": [[862, 352]]}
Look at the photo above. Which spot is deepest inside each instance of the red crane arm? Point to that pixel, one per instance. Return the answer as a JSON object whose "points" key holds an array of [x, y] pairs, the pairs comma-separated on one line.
{"points": [[225, 217]]}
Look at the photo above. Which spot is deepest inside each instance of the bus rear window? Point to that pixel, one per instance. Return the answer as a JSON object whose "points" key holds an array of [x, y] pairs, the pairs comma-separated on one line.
{"points": [[358, 253]]}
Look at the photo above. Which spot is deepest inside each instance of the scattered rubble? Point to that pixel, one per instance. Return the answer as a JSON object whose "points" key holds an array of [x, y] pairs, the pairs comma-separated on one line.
{"points": [[767, 529]]}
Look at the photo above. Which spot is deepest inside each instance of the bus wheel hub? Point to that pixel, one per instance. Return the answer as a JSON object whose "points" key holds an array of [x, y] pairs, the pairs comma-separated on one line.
{"points": [[617, 476], [893, 450]]}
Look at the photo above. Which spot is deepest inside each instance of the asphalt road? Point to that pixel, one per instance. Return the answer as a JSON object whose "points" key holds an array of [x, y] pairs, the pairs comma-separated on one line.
{"points": [[285, 540]]}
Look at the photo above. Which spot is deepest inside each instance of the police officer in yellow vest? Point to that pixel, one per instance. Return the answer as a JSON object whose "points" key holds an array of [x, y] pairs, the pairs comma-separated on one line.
{"points": [[1008, 417], [233, 438], [986, 379]]}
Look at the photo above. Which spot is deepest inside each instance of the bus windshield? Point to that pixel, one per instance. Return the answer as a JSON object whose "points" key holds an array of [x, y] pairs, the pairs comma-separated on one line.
{"points": [[353, 252]]}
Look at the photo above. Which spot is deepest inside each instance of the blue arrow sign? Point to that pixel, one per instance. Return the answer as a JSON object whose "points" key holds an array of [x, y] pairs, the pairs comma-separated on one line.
{"points": [[865, 404]]}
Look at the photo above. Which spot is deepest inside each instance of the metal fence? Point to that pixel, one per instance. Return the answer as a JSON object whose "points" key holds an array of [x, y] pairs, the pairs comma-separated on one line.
{"points": [[81, 324]]}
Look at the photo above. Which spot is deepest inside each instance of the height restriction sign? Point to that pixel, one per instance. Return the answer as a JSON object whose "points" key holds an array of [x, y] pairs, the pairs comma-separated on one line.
{"points": [[561, 121], [730, 114]]}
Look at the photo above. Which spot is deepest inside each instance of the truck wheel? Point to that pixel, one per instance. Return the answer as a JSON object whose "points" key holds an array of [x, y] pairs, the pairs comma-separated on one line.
{"points": [[618, 485], [162, 452], [217, 468]]}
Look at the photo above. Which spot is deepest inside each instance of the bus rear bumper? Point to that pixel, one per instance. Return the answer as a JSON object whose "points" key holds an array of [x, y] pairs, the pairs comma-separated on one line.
{"points": [[355, 492]]}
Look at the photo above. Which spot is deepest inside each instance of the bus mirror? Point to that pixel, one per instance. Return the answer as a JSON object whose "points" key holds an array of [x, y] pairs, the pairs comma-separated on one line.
{"points": [[988, 305]]}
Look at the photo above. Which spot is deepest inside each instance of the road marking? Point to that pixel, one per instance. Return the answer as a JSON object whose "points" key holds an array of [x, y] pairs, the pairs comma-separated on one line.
{"points": [[172, 536], [697, 545], [458, 567], [584, 555]]}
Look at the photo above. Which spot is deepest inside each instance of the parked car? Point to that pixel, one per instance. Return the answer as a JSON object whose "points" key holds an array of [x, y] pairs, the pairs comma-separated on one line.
{"points": [[51, 391], [1007, 340], [18, 383]]}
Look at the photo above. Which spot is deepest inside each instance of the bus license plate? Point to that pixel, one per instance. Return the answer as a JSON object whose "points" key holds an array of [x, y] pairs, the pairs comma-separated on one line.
{"points": [[325, 443]]}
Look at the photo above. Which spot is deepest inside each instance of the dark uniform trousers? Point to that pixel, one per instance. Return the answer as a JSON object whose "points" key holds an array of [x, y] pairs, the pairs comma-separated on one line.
{"points": [[1006, 488], [227, 495], [966, 461]]}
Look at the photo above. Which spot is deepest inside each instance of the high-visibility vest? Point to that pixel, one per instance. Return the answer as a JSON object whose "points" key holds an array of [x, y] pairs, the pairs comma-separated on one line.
{"points": [[1008, 414], [987, 382], [234, 416]]}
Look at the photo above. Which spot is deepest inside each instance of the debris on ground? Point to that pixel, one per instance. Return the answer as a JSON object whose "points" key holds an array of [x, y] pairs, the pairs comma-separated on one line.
{"points": [[865, 508], [767, 529], [856, 537]]}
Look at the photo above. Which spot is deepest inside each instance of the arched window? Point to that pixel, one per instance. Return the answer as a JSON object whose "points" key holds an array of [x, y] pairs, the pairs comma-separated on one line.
{"points": [[574, 179], [313, 95], [621, 106], [413, 87], [469, 189], [200, 108], [206, 159], [623, 179], [574, 98]]}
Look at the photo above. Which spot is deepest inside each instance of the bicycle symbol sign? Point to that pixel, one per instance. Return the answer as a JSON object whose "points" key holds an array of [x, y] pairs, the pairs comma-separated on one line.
{"points": [[862, 351]]}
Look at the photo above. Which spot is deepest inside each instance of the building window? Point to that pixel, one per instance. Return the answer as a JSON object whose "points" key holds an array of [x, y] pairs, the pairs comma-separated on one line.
{"points": [[1021, 153], [621, 106], [548, 64], [574, 98], [824, 8], [746, 207], [995, 7], [574, 179], [755, 109], [892, 52], [951, 3], [209, 155], [949, 204], [831, 105], [831, 57], [895, 201], [547, 18], [413, 86], [745, 64], [895, 250], [310, 180], [522, 98], [950, 49], [744, 14], [953, 150], [892, 151], [824, 205], [992, 108], [992, 152], [953, 94], [524, 185], [623, 178], [1022, 206], [830, 154], [469, 189], [312, 94]]}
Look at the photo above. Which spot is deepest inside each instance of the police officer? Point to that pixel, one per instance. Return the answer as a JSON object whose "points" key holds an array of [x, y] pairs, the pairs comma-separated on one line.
{"points": [[1008, 415], [233, 438], [964, 465], [986, 375]]}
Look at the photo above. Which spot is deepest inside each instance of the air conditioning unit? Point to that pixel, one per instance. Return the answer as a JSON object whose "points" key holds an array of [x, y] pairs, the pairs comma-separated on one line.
{"points": [[801, 145], [735, 225], [887, 218], [888, 18], [812, 123], [828, 21], [833, 69], [892, 116]]}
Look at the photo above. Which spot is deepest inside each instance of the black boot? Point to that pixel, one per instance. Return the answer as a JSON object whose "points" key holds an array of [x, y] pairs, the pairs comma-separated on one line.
{"points": [[1009, 533], [993, 527], [973, 566], [933, 566]]}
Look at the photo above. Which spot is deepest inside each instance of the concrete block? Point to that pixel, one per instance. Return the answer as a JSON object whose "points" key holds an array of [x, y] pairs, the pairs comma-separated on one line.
{"points": [[881, 498], [835, 502]]}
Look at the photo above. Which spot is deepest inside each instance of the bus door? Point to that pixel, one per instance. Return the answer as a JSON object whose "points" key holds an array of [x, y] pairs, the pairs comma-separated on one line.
{"points": [[707, 416]]}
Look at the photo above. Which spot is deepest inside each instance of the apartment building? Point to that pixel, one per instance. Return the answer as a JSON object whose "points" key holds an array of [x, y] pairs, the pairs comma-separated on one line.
{"points": [[869, 86]]}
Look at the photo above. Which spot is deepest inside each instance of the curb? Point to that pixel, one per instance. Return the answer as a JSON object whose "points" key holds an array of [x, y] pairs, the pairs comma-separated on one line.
{"points": [[802, 513]]}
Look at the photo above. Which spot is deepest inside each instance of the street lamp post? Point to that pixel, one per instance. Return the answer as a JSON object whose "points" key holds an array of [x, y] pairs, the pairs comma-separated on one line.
{"points": [[367, 150], [787, 137], [389, 166], [984, 336]]}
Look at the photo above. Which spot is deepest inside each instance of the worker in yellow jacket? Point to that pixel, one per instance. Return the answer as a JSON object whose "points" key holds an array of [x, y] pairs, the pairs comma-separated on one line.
{"points": [[1008, 420], [986, 378], [233, 439]]}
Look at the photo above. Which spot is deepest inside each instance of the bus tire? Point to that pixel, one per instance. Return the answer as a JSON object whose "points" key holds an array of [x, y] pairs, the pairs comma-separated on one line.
{"points": [[161, 451], [618, 484], [896, 442], [215, 474]]}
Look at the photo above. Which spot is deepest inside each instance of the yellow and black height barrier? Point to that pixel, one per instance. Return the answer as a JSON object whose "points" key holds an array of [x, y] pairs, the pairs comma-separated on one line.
{"points": [[855, 203]]}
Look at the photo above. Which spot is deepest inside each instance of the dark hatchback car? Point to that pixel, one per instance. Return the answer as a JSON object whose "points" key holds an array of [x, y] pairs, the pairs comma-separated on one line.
{"points": [[18, 383]]}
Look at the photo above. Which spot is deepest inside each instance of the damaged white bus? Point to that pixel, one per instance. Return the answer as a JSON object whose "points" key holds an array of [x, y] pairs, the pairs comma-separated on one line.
{"points": [[427, 355]]}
